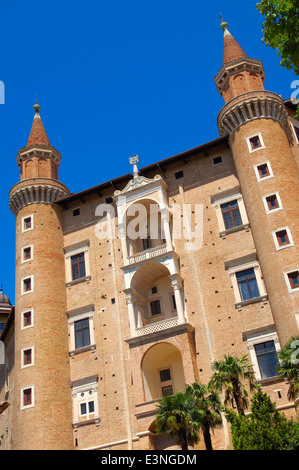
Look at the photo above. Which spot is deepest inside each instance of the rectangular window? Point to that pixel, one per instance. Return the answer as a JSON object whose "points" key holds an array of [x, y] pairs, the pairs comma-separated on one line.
{"points": [[267, 359], [27, 221], [167, 391], [255, 142], [272, 202], [217, 160], [27, 397], [247, 284], [166, 382], [2, 325], [294, 279], [27, 285], [263, 170], [78, 266], [27, 318], [156, 307], [27, 356], [282, 238], [231, 214], [76, 212], [173, 302], [179, 174], [82, 335], [165, 375]]}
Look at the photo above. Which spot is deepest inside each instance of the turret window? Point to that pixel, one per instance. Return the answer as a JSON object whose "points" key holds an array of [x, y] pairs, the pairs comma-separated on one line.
{"points": [[27, 285], [272, 202], [292, 279], [263, 171], [27, 397], [283, 238], [255, 142], [27, 223]]}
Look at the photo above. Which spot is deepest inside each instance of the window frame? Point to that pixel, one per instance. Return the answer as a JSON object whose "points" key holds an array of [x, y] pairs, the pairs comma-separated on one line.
{"points": [[270, 211], [23, 223], [258, 176], [88, 387], [256, 337], [30, 405], [23, 326], [23, 364], [165, 383], [23, 259], [24, 292], [217, 200], [276, 242], [287, 279], [73, 250], [79, 314], [259, 135]]}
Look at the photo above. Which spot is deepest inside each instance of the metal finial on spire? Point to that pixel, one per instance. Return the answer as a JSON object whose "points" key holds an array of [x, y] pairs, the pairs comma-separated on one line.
{"points": [[1, 288], [36, 107], [223, 24], [134, 160]]}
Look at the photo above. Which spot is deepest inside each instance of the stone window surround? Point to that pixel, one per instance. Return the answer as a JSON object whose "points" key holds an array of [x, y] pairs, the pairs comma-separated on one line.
{"points": [[23, 260], [277, 246], [259, 135], [258, 177], [78, 314], [223, 198], [72, 250], [279, 208], [290, 290], [259, 336], [32, 223], [80, 386], [22, 285], [24, 366], [23, 326], [25, 407], [242, 264]]}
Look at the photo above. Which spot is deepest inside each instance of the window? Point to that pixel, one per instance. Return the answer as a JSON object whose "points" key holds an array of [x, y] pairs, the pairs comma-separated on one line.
{"points": [[109, 200], [27, 285], [27, 319], [27, 253], [27, 223], [155, 307], [82, 335], [272, 202], [85, 399], [78, 266], [293, 278], [231, 214], [282, 238], [255, 143], [166, 382], [81, 330], [173, 302], [76, 212], [267, 359], [154, 290], [217, 160], [247, 284], [230, 211], [246, 279], [27, 357], [27, 397], [179, 174], [2, 325], [263, 171]]}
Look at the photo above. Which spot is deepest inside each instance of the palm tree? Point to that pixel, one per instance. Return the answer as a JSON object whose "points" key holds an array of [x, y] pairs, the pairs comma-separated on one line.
{"points": [[228, 376], [209, 409], [288, 366], [178, 413]]}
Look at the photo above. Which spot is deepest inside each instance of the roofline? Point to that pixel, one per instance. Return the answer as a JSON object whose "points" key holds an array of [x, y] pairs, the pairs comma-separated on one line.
{"points": [[125, 178]]}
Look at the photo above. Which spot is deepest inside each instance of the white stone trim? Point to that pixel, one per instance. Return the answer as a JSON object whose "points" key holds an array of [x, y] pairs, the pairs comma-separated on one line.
{"points": [[23, 229], [77, 315], [22, 254], [255, 338], [258, 177], [259, 135], [290, 290], [25, 407], [23, 327], [224, 198], [22, 285], [279, 208], [76, 249], [25, 366], [83, 391], [277, 246]]}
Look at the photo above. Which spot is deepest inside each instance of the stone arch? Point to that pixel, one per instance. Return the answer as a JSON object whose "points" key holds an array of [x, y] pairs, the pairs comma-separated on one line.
{"points": [[29, 169], [43, 168], [162, 371]]}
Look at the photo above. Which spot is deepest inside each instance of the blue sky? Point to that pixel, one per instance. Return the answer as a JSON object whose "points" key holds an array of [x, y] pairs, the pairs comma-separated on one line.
{"points": [[115, 78]]}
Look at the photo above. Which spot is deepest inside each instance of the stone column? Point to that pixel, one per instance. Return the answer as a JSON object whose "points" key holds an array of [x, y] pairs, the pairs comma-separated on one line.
{"points": [[176, 283]]}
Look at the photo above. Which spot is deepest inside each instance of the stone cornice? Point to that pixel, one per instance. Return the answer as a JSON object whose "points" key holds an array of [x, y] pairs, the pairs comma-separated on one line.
{"points": [[35, 191], [250, 106], [38, 150], [238, 65]]}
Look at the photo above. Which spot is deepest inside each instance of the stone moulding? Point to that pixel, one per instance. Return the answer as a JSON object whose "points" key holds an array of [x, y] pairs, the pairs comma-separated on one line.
{"points": [[250, 106], [35, 193]]}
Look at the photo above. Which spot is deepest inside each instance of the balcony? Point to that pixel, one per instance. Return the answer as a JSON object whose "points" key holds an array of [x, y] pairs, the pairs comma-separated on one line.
{"points": [[148, 254]]}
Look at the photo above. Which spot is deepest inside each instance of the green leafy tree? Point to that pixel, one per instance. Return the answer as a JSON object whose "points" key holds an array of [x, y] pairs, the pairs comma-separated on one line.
{"points": [[209, 407], [288, 366], [178, 414], [281, 31], [229, 375], [265, 428]]}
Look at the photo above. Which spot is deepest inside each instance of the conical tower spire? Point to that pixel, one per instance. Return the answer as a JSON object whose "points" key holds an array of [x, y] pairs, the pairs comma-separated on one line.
{"points": [[38, 134], [231, 48]]}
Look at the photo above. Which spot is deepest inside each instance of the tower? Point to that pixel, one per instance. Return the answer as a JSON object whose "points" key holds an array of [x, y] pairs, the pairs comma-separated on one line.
{"points": [[261, 140], [41, 400]]}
